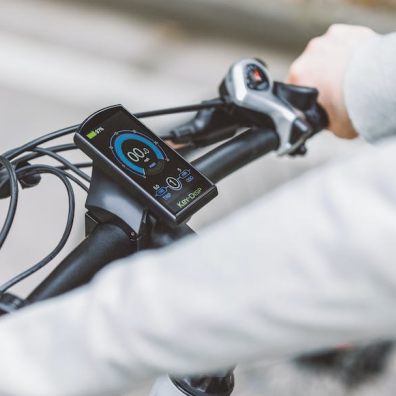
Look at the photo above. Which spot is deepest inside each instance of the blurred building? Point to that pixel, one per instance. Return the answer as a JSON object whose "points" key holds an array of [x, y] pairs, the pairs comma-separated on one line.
{"points": [[282, 22]]}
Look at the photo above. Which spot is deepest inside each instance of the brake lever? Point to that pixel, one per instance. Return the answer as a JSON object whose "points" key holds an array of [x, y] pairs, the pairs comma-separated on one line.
{"points": [[304, 99], [317, 117], [293, 111], [209, 126], [252, 99]]}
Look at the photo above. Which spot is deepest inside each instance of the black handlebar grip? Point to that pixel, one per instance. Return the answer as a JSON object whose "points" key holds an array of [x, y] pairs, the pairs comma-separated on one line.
{"points": [[105, 244]]}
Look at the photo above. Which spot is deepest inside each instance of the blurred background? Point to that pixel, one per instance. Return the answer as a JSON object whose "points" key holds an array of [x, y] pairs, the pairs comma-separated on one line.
{"points": [[62, 60]]}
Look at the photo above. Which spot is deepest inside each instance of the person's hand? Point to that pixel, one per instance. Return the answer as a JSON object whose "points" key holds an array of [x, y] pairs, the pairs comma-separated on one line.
{"points": [[323, 65]]}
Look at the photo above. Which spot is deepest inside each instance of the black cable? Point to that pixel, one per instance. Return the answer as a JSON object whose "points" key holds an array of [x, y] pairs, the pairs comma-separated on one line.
{"points": [[63, 161], [78, 165], [69, 225], [40, 152], [13, 199], [215, 103], [28, 169], [55, 149], [11, 154]]}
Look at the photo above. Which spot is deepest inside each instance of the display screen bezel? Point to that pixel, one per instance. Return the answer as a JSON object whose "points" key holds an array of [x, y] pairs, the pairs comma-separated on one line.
{"points": [[108, 165]]}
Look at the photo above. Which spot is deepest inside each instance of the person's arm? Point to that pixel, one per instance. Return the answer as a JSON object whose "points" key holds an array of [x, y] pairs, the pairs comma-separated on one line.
{"points": [[353, 68], [370, 88], [308, 267]]}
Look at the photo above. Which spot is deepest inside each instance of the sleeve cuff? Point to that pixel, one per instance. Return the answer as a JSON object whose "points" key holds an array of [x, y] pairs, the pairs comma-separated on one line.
{"points": [[370, 88]]}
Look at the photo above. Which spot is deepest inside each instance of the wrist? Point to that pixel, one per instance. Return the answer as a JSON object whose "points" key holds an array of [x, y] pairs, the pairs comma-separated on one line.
{"points": [[360, 90]]}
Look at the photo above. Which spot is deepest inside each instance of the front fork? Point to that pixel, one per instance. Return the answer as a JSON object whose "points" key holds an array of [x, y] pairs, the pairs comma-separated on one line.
{"points": [[220, 385]]}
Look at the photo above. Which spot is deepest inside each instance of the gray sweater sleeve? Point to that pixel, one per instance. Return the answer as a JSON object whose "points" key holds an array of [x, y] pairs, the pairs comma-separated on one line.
{"points": [[308, 267], [370, 88]]}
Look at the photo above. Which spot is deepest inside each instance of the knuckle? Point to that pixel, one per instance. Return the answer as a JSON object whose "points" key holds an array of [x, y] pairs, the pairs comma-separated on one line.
{"points": [[365, 29], [295, 71], [335, 29], [314, 43], [340, 28]]}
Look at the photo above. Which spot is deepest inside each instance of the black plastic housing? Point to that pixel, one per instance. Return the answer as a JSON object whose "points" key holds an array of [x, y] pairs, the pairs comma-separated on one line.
{"points": [[133, 184]]}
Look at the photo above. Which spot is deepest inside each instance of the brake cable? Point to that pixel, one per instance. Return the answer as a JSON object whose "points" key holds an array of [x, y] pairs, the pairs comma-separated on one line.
{"points": [[69, 225]]}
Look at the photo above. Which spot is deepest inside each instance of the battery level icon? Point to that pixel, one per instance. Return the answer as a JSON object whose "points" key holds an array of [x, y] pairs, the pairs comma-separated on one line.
{"points": [[91, 135]]}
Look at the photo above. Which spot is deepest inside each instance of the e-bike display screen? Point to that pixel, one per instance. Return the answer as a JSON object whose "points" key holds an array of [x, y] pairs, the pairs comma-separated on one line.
{"points": [[134, 156]]}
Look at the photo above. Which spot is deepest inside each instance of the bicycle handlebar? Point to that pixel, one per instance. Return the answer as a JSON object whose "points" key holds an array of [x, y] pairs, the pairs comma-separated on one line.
{"points": [[106, 243], [236, 153], [109, 242]]}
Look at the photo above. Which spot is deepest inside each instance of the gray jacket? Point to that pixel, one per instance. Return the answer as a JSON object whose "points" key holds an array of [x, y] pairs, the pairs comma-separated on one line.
{"points": [[370, 88]]}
